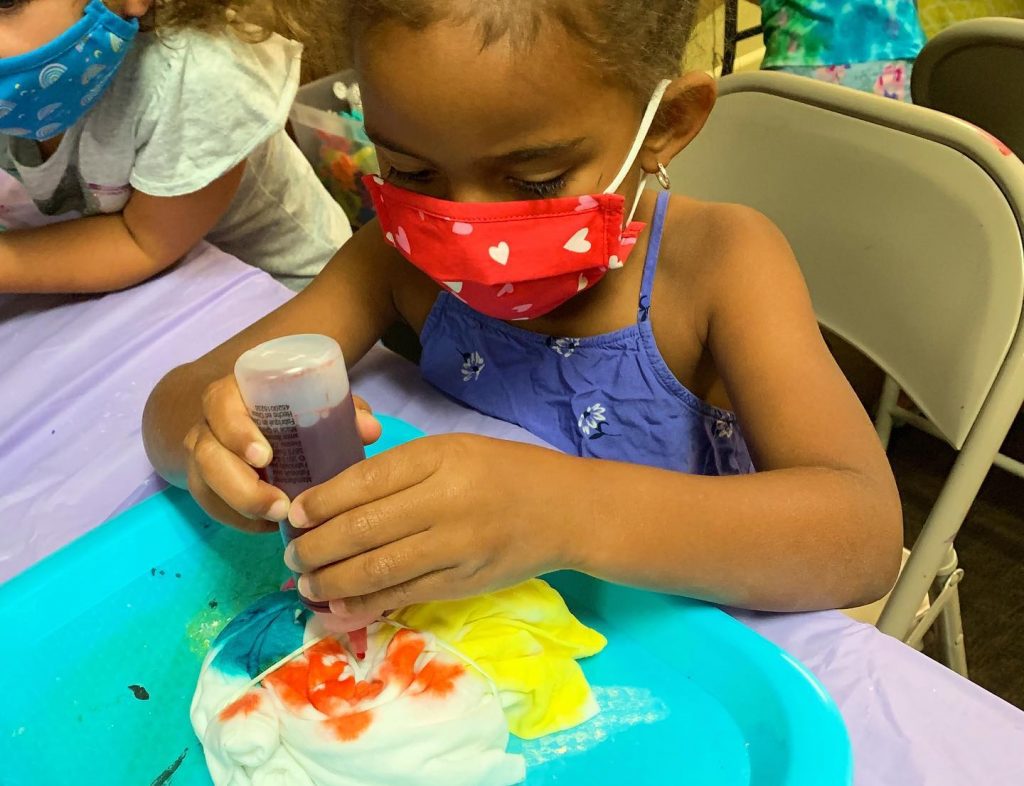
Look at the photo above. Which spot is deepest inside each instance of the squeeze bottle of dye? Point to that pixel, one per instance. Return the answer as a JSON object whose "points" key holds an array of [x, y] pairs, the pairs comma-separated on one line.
{"points": [[297, 391]]}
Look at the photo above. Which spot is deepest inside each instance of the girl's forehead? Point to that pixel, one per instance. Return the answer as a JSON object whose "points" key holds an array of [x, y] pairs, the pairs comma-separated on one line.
{"points": [[439, 81]]}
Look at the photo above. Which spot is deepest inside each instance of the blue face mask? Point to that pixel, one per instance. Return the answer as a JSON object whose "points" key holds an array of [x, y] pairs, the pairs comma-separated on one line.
{"points": [[45, 92]]}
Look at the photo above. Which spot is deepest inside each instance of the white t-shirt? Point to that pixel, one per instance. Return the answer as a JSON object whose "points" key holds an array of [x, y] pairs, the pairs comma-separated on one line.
{"points": [[183, 110]]}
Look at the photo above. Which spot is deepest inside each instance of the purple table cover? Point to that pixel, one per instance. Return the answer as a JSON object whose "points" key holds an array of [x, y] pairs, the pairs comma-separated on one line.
{"points": [[75, 374]]}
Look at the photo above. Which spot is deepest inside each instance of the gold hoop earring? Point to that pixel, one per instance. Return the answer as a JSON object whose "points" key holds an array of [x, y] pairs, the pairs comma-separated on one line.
{"points": [[663, 179]]}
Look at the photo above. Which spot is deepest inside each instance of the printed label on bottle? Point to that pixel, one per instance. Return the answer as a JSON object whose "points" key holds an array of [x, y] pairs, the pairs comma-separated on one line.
{"points": [[289, 470]]}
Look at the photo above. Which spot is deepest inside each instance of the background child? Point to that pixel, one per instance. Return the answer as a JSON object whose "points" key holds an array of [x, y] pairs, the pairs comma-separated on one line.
{"points": [[869, 45], [658, 354], [143, 143]]}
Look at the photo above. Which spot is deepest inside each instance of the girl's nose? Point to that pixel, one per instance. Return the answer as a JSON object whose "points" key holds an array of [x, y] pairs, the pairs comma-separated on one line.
{"points": [[471, 192]]}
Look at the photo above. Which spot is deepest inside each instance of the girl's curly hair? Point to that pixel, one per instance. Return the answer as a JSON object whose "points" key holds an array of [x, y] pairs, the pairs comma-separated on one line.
{"points": [[307, 21]]}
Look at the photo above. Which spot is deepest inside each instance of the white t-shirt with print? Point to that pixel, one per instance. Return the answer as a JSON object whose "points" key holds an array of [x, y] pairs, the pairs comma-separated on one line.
{"points": [[183, 110]]}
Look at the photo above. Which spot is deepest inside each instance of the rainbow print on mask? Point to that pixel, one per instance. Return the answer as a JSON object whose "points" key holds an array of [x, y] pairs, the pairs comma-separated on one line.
{"points": [[46, 91]]}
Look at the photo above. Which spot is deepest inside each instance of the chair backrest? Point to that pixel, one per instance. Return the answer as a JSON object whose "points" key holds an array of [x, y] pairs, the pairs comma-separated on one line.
{"points": [[975, 70], [906, 224]]}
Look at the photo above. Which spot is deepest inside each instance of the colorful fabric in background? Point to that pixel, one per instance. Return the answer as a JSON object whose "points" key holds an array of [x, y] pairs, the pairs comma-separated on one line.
{"points": [[886, 79], [413, 712], [937, 15], [801, 33]]}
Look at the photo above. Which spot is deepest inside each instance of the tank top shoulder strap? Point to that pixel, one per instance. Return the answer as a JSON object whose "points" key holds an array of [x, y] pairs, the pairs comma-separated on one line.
{"points": [[653, 251]]}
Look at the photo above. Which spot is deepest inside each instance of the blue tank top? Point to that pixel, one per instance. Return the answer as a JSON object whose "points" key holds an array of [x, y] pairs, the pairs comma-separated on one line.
{"points": [[610, 396]]}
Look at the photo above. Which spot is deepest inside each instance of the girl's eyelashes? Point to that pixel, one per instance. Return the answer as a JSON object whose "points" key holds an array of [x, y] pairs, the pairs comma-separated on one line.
{"points": [[541, 189], [7, 6], [535, 189], [419, 176]]}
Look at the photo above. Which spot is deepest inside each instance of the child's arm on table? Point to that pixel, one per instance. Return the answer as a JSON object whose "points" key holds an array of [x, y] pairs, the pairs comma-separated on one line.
{"points": [[819, 526], [197, 431], [111, 252]]}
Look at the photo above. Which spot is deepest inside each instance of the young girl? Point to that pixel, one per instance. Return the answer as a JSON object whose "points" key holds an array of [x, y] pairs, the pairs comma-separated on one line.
{"points": [[143, 143], [514, 141], [869, 45]]}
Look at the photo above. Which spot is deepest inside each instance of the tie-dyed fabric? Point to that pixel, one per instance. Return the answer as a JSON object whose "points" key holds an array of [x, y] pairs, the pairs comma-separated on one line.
{"points": [[280, 702], [888, 79], [803, 33]]}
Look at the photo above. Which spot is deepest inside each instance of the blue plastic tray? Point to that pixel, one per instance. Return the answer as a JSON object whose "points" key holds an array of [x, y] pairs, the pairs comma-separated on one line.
{"points": [[103, 642]]}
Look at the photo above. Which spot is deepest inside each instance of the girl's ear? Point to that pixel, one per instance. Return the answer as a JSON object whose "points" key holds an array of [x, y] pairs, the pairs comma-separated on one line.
{"points": [[684, 110], [135, 9]]}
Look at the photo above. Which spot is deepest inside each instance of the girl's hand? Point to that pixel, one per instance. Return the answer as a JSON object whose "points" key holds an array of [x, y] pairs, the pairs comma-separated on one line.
{"points": [[438, 518], [224, 451]]}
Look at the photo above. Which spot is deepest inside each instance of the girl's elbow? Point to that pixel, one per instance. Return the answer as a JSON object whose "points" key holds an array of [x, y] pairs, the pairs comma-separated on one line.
{"points": [[882, 550]]}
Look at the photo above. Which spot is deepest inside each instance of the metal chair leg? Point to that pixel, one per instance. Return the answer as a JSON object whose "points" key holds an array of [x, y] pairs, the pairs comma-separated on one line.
{"points": [[944, 613], [951, 632], [886, 404], [930, 551]]}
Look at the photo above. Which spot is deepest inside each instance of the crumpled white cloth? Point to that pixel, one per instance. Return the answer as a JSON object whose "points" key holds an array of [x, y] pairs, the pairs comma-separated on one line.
{"points": [[410, 714]]}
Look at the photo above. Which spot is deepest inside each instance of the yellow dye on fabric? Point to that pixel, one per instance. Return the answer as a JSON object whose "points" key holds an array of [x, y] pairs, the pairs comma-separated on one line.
{"points": [[527, 641]]}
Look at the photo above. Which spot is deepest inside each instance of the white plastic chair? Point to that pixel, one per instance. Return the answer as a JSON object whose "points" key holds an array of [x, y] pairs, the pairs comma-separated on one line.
{"points": [[908, 228]]}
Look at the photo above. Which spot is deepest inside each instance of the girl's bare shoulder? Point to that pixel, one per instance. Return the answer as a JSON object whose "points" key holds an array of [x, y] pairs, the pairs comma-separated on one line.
{"points": [[709, 245]]}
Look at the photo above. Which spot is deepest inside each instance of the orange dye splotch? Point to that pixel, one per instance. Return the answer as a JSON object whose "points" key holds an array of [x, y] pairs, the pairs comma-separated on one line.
{"points": [[334, 696], [349, 728], [250, 702], [291, 683], [438, 679], [327, 662], [400, 663]]}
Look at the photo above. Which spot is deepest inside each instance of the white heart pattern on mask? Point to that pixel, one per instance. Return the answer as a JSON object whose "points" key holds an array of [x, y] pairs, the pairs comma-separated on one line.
{"points": [[614, 263], [378, 180], [586, 203], [582, 283], [499, 253], [578, 243], [508, 289], [403, 240], [389, 237], [454, 286], [523, 308], [462, 228]]}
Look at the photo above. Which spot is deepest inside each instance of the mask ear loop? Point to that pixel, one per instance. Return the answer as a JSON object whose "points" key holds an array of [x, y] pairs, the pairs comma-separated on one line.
{"points": [[645, 125], [258, 679]]}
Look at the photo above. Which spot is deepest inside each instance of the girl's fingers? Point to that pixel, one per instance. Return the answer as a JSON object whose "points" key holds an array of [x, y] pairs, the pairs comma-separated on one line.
{"points": [[366, 482], [228, 419], [379, 570], [364, 529], [235, 482], [368, 426], [433, 586], [218, 510]]}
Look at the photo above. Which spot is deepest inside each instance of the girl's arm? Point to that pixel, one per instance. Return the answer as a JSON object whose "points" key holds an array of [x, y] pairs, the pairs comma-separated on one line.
{"points": [[819, 526], [196, 429], [111, 252]]}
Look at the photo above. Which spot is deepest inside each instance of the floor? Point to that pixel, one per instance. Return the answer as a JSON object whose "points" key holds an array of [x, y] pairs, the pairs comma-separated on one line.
{"points": [[990, 545]]}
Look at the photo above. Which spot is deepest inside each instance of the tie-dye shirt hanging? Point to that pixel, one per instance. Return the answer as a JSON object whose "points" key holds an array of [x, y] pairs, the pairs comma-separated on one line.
{"points": [[839, 32]]}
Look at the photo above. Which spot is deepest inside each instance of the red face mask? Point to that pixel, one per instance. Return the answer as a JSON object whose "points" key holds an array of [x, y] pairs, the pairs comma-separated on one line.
{"points": [[514, 260]]}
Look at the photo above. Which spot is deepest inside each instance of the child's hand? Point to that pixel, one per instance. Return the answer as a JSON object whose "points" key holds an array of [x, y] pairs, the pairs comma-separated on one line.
{"points": [[442, 517], [225, 450]]}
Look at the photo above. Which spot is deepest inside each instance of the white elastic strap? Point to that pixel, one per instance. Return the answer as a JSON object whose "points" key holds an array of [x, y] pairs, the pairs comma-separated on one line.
{"points": [[313, 642], [645, 125], [636, 199]]}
